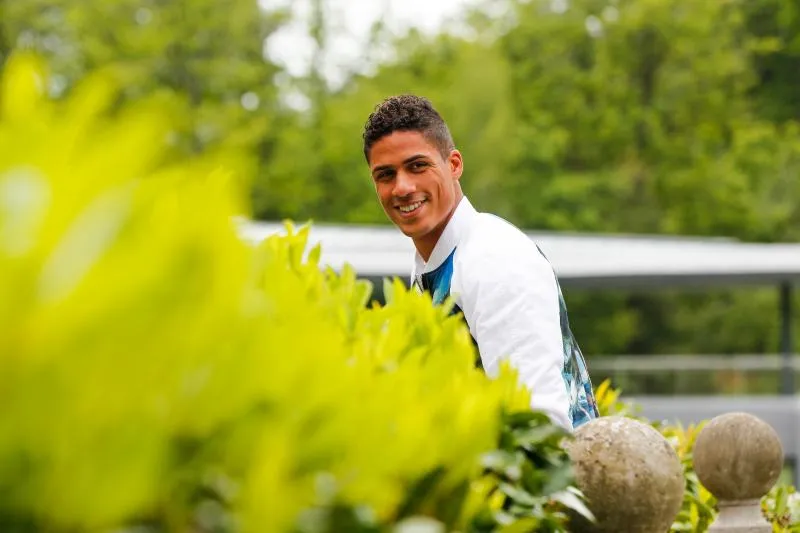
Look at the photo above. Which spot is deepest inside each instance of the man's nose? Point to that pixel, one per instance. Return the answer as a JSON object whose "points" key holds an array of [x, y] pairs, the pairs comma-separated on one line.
{"points": [[404, 184]]}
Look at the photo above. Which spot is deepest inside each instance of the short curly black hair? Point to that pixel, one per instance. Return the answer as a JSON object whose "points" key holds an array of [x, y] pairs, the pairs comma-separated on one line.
{"points": [[407, 112]]}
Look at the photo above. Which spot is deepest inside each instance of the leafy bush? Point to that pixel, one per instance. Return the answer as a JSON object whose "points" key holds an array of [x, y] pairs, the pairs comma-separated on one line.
{"points": [[782, 508], [160, 374]]}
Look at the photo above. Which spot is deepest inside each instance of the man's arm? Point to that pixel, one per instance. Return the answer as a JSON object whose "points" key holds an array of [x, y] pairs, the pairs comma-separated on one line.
{"points": [[512, 309]]}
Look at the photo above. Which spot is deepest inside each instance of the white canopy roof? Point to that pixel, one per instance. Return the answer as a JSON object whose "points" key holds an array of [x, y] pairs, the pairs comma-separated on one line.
{"points": [[589, 260]]}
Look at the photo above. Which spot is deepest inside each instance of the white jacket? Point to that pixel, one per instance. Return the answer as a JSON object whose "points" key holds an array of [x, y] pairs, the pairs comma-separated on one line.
{"points": [[512, 303]]}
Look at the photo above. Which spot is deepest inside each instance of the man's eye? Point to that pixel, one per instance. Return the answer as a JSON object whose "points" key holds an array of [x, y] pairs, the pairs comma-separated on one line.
{"points": [[383, 176], [418, 165]]}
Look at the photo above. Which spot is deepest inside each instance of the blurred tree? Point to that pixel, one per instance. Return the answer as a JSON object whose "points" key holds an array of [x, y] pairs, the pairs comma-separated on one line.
{"points": [[475, 102], [631, 116], [637, 118], [649, 116], [207, 55], [301, 180], [777, 58]]}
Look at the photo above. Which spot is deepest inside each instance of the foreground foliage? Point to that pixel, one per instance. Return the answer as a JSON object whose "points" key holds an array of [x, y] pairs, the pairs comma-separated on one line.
{"points": [[160, 372]]}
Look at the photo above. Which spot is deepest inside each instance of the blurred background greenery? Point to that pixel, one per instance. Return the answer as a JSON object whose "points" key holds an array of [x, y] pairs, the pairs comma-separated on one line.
{"points": [[632, 116]]}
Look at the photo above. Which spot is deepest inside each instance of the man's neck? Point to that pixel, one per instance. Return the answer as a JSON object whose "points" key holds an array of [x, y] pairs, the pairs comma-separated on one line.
{"points": [[426, 244]]}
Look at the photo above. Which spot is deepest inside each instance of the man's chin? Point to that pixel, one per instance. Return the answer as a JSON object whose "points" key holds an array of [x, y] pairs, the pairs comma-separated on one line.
{"points": [[413, 230]]}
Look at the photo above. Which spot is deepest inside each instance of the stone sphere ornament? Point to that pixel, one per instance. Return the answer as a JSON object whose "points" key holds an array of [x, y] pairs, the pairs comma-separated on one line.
{"points": [[738, 456], [631, 476]]}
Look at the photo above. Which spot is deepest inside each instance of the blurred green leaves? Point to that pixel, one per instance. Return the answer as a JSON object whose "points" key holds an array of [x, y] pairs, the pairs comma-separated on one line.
{"points": [[161, 373]]}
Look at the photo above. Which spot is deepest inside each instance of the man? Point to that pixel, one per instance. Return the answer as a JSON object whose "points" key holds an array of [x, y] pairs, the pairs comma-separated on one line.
{"points": [[499, 279]]}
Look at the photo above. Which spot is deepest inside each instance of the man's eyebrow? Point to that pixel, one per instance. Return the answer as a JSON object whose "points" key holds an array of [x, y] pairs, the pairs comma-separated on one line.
{"points": [[382, 168], [414, 158], [405, 162]]}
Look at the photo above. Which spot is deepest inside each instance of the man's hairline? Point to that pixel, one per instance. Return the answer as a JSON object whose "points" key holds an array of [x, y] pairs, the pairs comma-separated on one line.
{"points": [[431, 139]]}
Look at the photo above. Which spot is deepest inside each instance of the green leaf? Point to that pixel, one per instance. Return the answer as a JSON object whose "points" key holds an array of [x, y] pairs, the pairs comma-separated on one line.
{"points": [[419, 492], [522, 525], [531, 437], [526, 419], [572, 500], [559, 479], [517, 494], [314, 254]]}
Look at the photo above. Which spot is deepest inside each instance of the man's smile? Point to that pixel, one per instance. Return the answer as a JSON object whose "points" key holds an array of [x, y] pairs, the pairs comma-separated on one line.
{"points": [[408, 210]]}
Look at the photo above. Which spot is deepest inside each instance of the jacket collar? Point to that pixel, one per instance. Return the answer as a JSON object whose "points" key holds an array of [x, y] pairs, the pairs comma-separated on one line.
{"points": [[455, 229]]}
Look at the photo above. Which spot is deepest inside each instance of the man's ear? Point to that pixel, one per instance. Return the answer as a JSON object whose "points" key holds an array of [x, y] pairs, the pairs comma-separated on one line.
{"points": [[456, 163]]}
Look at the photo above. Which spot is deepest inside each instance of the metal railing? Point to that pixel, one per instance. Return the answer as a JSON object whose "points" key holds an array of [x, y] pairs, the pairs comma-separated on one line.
{"points": [[697, 375], [688, 389], [677, 363]]}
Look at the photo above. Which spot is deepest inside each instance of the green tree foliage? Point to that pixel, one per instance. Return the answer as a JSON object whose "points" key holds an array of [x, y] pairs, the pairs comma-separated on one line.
{"points": [[777, 62], [336, 177], [633, 116], [638, 119], [639, 116], [207, 56]]}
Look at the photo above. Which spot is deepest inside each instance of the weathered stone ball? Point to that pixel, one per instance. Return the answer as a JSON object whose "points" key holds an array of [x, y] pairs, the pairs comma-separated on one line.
{"points": [[738, 456], [631, 476]]}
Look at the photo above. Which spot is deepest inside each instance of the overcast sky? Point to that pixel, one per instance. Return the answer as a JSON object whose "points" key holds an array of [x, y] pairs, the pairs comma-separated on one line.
{"points": [[351, 20]]}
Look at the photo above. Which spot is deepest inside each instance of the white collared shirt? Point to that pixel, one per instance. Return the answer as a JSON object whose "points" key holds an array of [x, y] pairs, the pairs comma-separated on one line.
{"points": [[511, 300]]}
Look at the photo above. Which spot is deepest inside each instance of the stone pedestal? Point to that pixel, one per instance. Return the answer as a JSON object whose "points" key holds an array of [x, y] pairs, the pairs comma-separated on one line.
{"points": [[741, 517]]}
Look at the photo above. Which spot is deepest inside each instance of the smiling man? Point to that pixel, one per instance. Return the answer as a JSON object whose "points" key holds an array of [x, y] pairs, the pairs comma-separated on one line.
{"points": [[500, 281]]}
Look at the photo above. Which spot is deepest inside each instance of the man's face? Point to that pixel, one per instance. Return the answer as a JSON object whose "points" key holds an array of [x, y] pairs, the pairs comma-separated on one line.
{"points": [[418, 188]]}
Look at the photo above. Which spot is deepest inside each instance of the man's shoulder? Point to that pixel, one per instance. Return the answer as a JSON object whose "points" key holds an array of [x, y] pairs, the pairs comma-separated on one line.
{"points": [[497, 252], [497, 223], [493, 237]]}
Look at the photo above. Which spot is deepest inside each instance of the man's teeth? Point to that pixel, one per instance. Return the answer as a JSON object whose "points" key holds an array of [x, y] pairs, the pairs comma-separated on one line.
{"points": [[409, 208]]}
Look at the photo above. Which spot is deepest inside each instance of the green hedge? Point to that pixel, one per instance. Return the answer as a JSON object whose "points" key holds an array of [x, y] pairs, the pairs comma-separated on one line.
{"points": [[159, 372]]}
